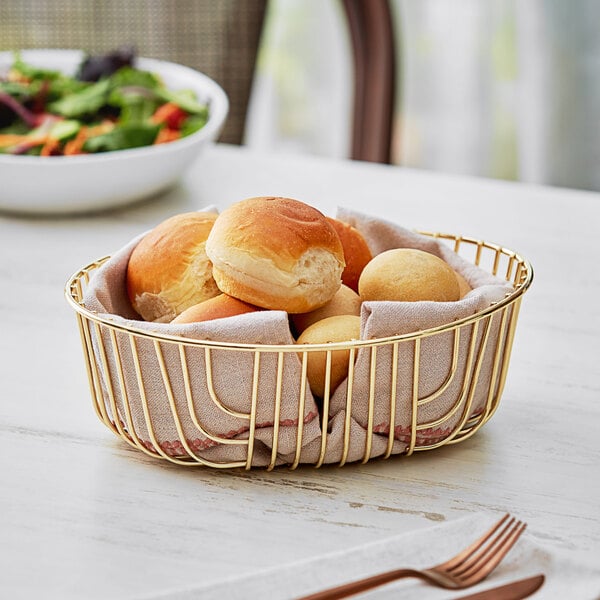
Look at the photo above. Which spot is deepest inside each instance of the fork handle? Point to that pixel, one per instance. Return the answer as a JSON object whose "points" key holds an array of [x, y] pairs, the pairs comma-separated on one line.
{"points": [[361, 585]]}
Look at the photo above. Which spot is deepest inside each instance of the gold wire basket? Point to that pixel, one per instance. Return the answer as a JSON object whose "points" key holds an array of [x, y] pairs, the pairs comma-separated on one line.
{"points": [[475, 368]]}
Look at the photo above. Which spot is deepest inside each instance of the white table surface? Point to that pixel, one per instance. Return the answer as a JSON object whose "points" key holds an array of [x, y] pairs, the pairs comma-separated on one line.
{"points": [[82, 515]]}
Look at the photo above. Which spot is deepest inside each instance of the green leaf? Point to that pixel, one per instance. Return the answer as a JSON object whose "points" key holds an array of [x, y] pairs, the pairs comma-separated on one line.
{"points": [[122, 138], [16, 90], [63, 130], [85, 102], [136, 109], [185, 99], [128, 76], [136, 103], [193, 124], [32, 72], [64, 86]]}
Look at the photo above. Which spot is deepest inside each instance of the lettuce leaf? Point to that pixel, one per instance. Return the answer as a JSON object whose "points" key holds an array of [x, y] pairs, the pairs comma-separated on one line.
{"points": [[122, 137], [87, 101]]}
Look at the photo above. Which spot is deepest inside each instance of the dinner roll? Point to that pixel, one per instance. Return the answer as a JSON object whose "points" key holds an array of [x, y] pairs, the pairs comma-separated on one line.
{"points": [[168, 270], [345, 302], [410, 275], [276, 253], [219, 307], [356, 252], [341, 328]]}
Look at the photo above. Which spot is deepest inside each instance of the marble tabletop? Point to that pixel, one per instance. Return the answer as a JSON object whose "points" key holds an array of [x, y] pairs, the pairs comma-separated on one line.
{"points": [[83, 515]]}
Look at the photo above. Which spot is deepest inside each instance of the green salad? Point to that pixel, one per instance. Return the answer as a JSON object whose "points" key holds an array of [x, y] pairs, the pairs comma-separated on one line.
{"points": [[108, 105]]}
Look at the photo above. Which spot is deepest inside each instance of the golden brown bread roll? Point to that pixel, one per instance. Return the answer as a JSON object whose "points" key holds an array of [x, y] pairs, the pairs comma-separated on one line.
{"points": [[345, 302], [410, 275], [219, 307], [276, 253], [356, 252], [168, 270], [341, 328]]}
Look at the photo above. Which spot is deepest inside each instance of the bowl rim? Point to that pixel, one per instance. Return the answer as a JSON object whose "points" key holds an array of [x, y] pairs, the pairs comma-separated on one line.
{"points": [[217, 100]]}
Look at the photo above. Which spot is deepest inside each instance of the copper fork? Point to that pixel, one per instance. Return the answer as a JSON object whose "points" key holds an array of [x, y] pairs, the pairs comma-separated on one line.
{"points": [[467, 568]]}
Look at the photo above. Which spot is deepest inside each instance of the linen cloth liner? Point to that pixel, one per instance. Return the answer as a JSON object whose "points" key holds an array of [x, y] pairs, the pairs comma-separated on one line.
{"points": [[232, 370], [570, 575]]}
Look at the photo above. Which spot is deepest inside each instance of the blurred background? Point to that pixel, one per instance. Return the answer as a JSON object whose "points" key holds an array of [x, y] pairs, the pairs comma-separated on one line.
{"points": [[506, 89]]}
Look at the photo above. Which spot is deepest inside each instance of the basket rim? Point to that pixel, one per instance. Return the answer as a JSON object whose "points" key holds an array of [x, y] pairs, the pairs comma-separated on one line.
{"points": [[524, 284]]}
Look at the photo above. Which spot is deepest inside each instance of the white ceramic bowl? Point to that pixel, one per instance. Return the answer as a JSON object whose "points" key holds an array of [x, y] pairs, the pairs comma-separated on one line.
{"points": [[63, 184]]}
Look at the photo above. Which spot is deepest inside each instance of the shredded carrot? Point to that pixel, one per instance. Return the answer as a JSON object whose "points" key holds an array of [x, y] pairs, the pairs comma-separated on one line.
{"points": [[99, 129], [167, 135], [50, 148], [75, 146], [22, 143], [11, 139]]}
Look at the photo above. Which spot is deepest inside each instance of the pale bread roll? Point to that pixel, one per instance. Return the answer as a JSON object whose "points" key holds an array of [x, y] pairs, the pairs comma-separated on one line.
{"points": [[356, 252], [219, 307], [345, 302], [168, 270], [277, 253], [409, 275], [341, 328]]}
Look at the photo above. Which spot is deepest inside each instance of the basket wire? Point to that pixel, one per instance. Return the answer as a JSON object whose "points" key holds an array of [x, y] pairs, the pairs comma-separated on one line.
{"points": [[109, 379]]}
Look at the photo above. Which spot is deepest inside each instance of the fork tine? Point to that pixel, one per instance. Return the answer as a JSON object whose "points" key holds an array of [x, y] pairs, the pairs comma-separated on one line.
{"points": [[467, 552], [470, 563], [483, 569]]}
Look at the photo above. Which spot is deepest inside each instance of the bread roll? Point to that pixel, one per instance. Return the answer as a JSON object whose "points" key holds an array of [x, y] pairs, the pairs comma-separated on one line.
{"points": [[276, 253], [356, 252], [168, 270], [409, 275], [219, 307], [345, 302], [341, 328]]}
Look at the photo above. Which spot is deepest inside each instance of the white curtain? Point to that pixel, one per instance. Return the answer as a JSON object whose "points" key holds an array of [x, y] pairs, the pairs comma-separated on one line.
{"points": [[494, 88], [301, 97]]}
